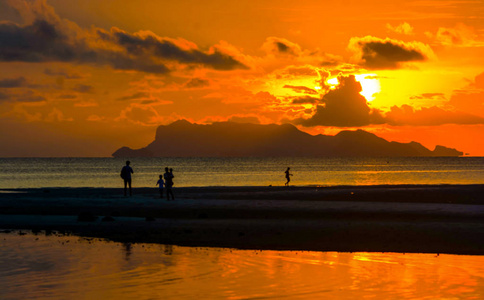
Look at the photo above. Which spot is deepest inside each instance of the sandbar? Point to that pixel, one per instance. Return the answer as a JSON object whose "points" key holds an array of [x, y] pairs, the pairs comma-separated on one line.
{"points": [[386, 218]]}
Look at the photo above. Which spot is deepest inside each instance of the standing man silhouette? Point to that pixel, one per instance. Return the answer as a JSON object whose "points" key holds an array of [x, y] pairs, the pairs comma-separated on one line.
{"points": [[169, 183], [288, 176], [126, 172]]}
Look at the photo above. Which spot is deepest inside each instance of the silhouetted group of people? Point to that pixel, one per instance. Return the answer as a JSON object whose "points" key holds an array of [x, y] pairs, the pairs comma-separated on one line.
{"points": [[168, 183], [165, 181]]}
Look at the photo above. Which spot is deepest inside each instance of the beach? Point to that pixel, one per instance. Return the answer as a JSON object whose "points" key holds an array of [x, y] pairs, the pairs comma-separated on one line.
{"points": [[384, 218]]}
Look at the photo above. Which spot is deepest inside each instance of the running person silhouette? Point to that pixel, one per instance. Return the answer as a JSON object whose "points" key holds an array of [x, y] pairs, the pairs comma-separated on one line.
{"points": [[288, 176]]}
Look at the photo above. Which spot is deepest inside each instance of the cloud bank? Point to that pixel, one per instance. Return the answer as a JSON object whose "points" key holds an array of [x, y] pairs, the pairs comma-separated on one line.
{"points": [[47, 38]]}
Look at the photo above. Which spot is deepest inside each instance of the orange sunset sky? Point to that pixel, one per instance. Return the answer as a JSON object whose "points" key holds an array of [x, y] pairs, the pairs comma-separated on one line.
{"points": [[85, 77]]}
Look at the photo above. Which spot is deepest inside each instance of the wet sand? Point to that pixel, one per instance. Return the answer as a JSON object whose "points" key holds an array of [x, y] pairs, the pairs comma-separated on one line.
{"points": [[409, 218]]}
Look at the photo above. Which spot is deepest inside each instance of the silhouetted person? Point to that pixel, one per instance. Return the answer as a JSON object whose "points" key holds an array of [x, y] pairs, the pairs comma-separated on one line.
{"points": [[126, 172], [167, 175], [161, 184], [169, 183], [288, 176]]}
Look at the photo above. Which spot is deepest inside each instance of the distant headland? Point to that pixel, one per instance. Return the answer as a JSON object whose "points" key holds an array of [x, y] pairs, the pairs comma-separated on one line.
{"points": [[230, 139]]}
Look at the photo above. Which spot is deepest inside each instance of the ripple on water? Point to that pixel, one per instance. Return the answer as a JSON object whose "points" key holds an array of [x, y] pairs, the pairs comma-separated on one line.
{"points": [[69, 267]]}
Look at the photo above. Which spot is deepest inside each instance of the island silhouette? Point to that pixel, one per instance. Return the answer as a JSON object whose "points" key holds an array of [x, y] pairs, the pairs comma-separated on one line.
{"points": [[230, 139]]}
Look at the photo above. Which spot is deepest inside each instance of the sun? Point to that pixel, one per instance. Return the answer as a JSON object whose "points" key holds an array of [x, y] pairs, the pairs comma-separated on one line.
{"points": [[370, 85], [333, 82]]}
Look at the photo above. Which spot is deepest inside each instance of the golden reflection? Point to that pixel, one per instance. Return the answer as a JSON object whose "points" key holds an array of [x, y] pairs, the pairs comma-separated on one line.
{"points": [[96, 269], [370, 257]]}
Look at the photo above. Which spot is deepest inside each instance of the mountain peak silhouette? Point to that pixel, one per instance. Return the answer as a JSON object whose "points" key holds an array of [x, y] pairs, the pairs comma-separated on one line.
{"points": [[230, 139], [180, 123]]}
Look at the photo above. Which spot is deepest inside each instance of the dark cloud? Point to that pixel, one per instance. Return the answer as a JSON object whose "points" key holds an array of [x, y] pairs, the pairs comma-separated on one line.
{"points": [[305, 100], [197, 83], [42, 41], [36, 42], [121, 61], [49, 38], [84, 88], [13, 82], [376, 53], [134, 96], [19, 82], [147, 102], [244, 119], [387, 55], [67, 96], [301, 89], [343, 107], [29, 96], [62, 73], [280, 46], [138, 45]]}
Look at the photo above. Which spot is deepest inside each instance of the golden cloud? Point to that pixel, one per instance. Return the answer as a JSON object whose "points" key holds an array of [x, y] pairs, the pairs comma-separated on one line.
{"points": [[459, 36], [402, 28]]}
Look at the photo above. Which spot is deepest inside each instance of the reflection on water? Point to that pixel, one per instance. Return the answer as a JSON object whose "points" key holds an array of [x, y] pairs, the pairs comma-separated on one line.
{"points": [[68, 267]]}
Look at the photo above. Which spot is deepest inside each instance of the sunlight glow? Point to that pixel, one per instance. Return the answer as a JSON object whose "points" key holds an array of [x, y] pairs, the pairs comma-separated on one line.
{"points": [[332, 82], [370, 85]]}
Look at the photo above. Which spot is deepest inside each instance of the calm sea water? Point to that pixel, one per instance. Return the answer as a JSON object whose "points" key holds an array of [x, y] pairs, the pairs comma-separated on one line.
{"points": [[104, 172], [67, 267]]}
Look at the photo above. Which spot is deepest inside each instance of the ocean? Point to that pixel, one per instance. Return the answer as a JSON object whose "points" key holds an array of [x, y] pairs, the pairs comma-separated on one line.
{"points": [[104, 172], [46, 265]]}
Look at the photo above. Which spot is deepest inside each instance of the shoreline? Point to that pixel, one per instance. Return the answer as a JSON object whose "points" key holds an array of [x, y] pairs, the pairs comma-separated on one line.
{"points": [[400, 218]]}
